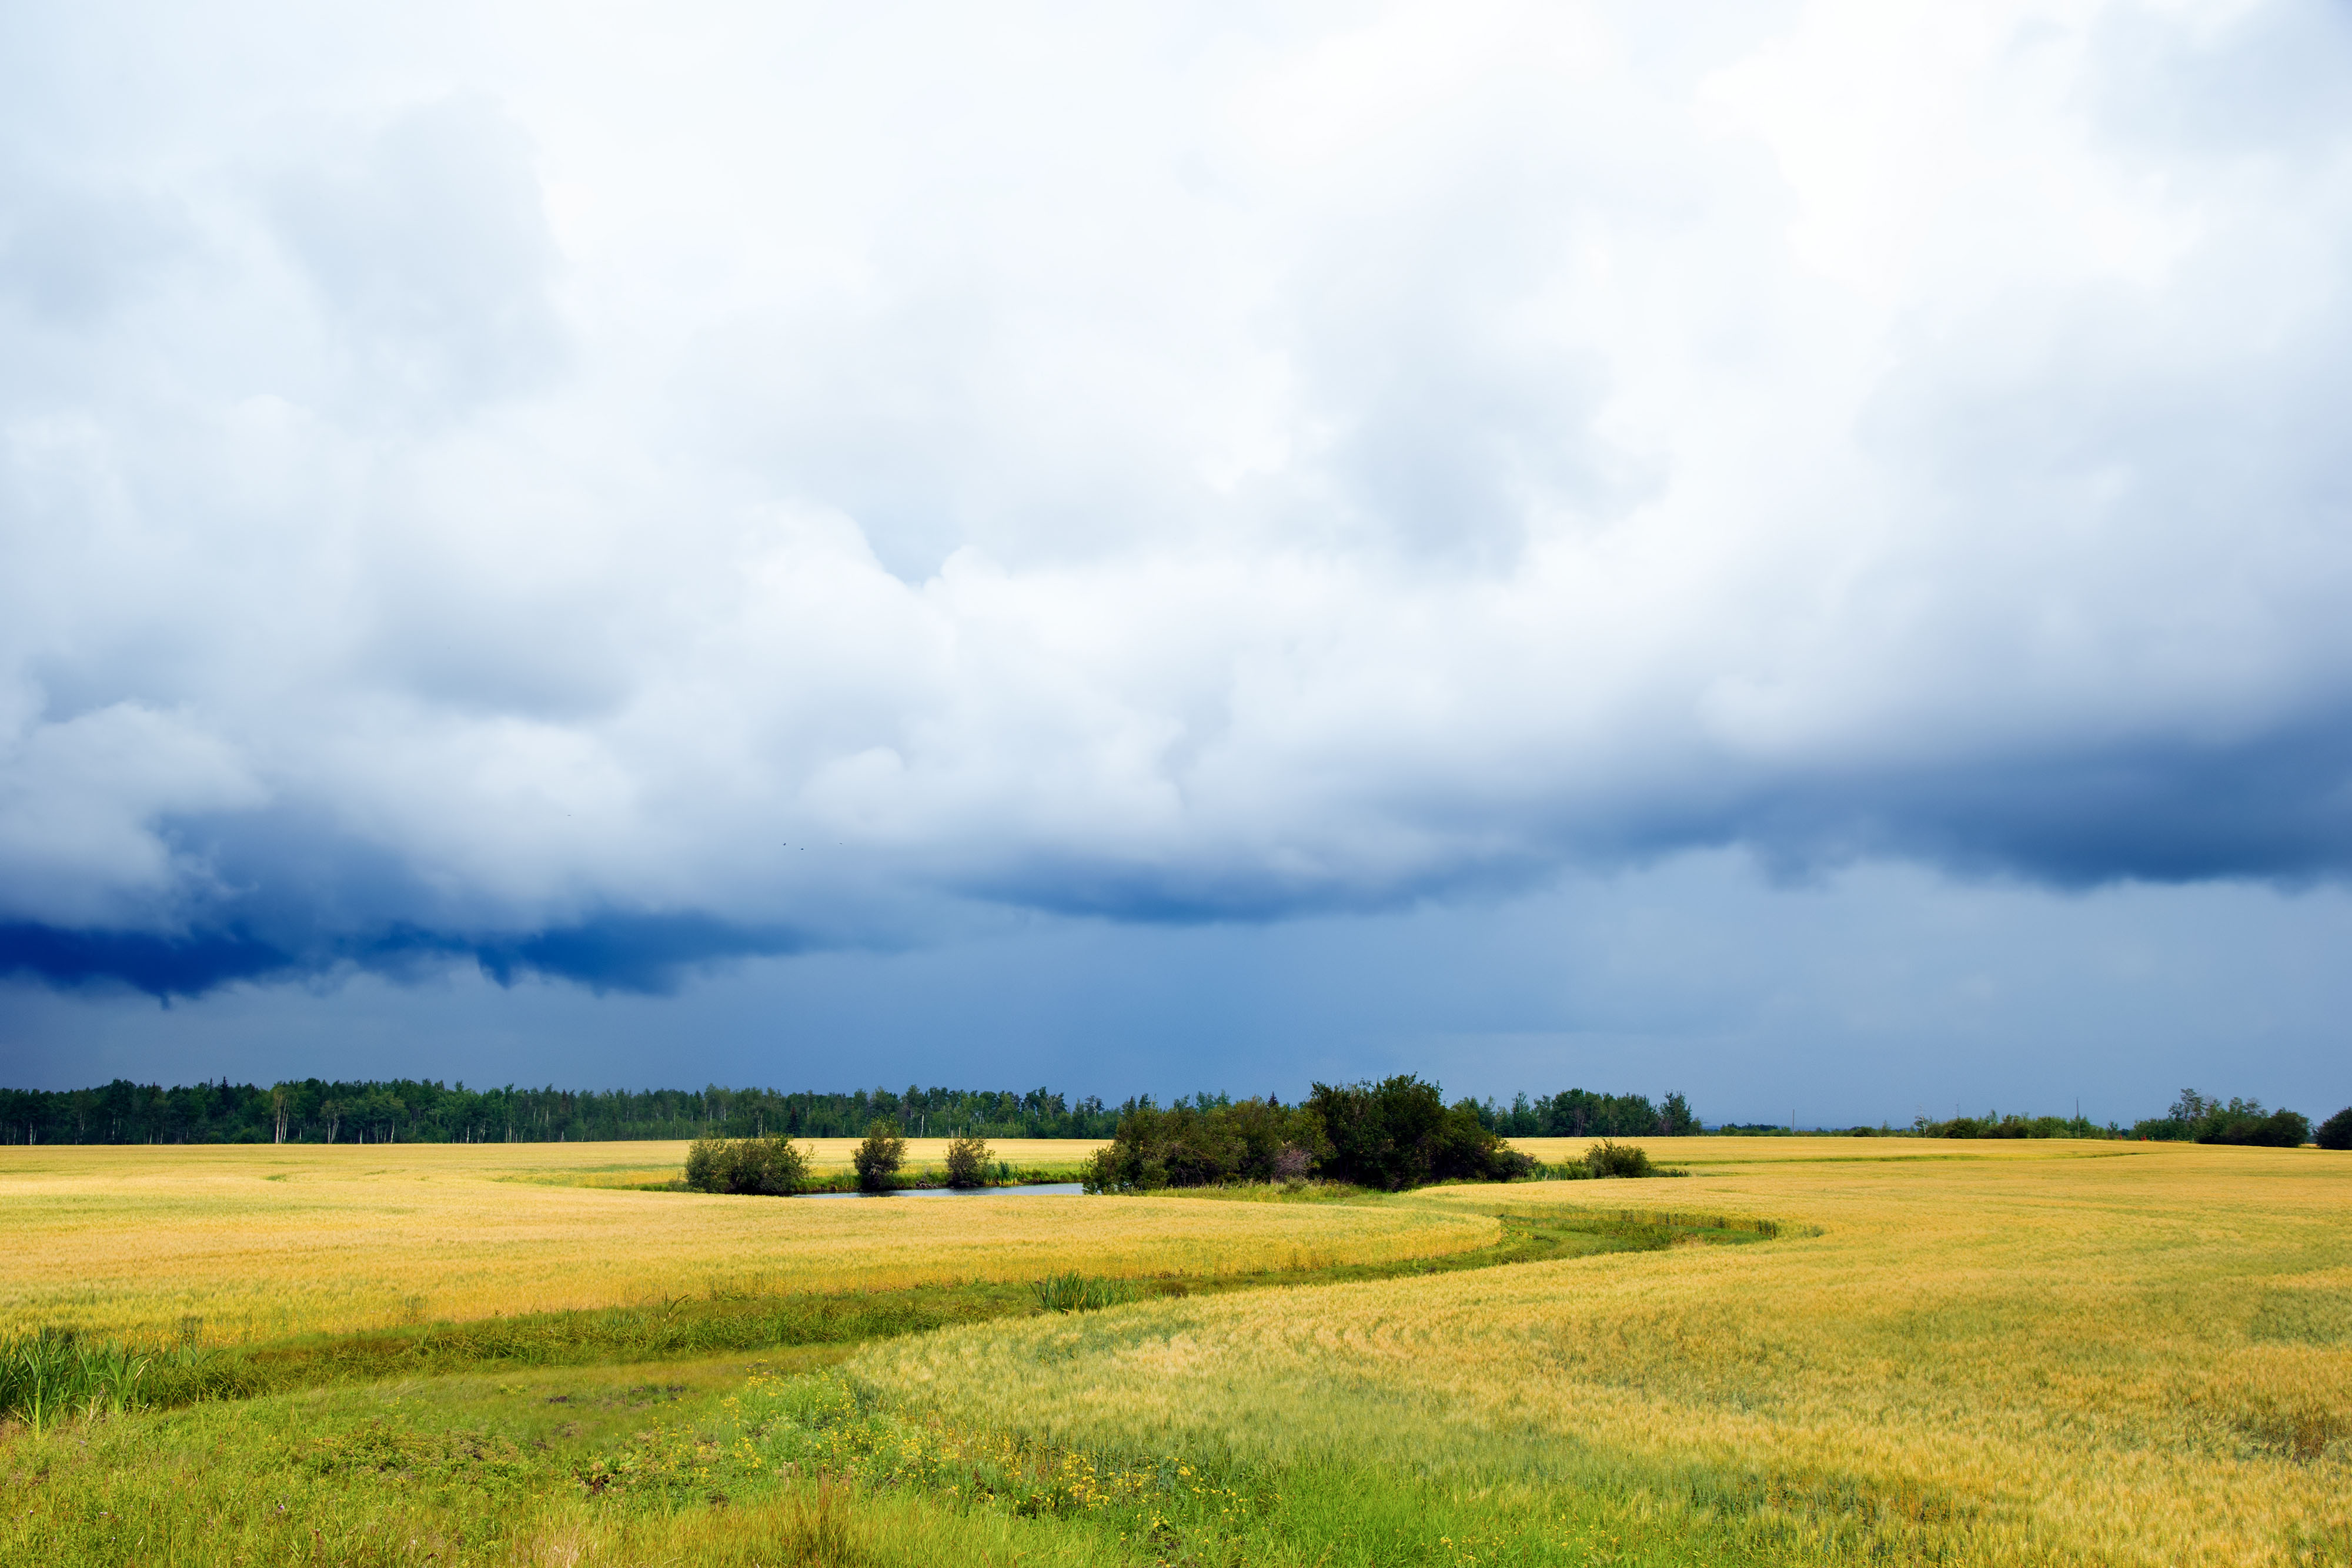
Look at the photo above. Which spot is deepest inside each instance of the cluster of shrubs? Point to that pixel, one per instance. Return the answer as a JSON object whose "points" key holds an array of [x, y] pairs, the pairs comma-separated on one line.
{"points": [[2194, 1118], [1391, 1136], [775, 1166], [2335, 1132], [2012, 1125]]}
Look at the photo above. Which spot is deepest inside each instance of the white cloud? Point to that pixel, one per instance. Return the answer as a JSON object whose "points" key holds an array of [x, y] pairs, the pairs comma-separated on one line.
{"points": [[782, 468]]}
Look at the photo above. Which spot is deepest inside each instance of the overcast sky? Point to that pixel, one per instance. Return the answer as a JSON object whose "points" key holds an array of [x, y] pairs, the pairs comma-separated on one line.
{"points": [[1800, 554]]}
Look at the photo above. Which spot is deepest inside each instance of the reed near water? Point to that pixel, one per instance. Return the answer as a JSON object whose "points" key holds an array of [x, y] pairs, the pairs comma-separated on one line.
{"points": [[52, 1374]]}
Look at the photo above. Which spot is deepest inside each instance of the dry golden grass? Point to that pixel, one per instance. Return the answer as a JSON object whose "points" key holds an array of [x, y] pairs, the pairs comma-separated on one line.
{"points": [[1990, 1353], [1702, 1153], [259, 1241]]}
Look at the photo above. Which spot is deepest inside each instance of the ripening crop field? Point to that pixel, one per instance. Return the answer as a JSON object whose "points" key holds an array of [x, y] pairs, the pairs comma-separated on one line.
{"points": [[1987, 1353], [259, 1241], [1960, 1353]]}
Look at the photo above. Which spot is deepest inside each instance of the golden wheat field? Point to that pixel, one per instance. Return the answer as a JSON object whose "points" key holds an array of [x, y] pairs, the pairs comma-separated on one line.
{"points": [[1986, 1352], [262, 1241]]}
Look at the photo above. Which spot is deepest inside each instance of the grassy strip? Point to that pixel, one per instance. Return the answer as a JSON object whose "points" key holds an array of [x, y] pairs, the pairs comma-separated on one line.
{"points": [[688, 1326], [1195, 1508], [46, 1376], [596, 1466]]}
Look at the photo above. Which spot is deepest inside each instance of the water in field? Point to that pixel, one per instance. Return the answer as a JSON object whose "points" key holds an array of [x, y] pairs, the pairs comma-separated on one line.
{"points": [[962, 1192]]}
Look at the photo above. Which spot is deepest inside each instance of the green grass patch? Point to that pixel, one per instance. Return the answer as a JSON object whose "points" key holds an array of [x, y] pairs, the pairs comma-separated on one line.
{"points": [[600, 1465], [54, 1374]]}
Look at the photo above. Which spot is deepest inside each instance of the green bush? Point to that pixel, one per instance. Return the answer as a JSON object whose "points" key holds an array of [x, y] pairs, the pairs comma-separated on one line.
{"points": [[2278, 1130], [770, 1167], [968, 1159], [1391, 1136], [1208, 1144], [2193, 1116], [1607, 1158], [877, 1159], [1401, 1134], [1610, 1159], [2335, 1132]]}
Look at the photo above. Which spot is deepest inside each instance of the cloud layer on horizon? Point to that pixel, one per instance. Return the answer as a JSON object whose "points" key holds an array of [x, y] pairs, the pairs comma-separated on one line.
{"points": [[600, 493]]}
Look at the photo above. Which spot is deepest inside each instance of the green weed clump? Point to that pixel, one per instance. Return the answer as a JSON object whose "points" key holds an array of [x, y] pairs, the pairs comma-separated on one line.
{"points": [[54, 1372], [1080, 1293]]}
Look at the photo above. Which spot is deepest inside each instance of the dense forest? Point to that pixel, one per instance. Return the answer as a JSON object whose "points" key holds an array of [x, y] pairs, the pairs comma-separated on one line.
{"points": [[408, 1111], [412, 1110], [1581, 1113]]}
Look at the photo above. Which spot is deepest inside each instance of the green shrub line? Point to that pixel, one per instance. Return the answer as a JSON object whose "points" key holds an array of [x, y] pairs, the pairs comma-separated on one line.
{"points": [[1388, 1136], [773, 1166], [53, 1373], [2194, 1118]]}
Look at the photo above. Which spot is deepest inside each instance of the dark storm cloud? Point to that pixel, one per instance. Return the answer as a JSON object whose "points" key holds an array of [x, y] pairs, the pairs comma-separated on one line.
{"points": [[648, 954], [181, 965]]}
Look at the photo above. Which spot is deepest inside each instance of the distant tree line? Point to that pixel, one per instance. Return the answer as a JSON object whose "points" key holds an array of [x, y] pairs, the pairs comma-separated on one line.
{"points": [[417, 1111], [1992, 1124], [2192, 1118], [1581, 1113], [411, 1111], [314, 1111]]}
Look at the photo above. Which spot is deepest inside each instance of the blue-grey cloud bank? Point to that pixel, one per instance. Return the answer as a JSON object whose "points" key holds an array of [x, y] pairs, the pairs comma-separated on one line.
{"points": [[601, 495]]}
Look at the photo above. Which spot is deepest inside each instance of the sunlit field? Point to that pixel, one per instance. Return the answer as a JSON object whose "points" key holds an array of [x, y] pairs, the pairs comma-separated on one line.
{"points": [[2008, 1352], [1941, 1353], [229, 1244]]}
